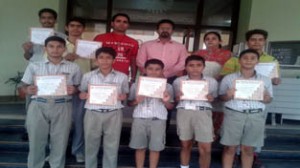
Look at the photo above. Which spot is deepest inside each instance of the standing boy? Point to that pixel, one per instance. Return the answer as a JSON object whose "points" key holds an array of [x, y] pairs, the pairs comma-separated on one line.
{"points": [[194, 117], [101, 120], [150, 115], [244, 120], [50, 116]]}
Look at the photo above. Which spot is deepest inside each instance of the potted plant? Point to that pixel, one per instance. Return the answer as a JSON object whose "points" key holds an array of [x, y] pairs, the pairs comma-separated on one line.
{"points": [[16, 81]]}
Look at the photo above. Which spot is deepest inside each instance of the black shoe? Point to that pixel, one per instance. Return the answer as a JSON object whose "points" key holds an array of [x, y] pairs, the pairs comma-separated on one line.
{"points": [[25, 136]]}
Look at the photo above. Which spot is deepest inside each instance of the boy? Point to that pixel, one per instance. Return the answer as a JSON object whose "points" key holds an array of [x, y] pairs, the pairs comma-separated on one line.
{"points": [[194, 117], [100, 120], [244, 120], [150, 114], [50, 115], [75, 27]]}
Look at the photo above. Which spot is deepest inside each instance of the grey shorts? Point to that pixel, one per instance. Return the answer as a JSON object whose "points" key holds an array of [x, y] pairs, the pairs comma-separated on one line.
{"points": [[149, 133], [243, 129], [195, 124]]}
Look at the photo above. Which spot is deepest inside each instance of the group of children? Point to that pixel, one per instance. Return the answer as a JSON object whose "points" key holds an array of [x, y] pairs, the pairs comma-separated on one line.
{"points": [[50, 117]]}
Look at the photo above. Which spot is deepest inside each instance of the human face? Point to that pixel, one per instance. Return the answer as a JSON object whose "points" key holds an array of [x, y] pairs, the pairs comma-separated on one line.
{"points": [[165, 30], [74, 29], [256, 42], [55, 49], [194, 69], [248, 61], [120, 24], [47, 20], [212, 41], [154, 70], [105, 61]]}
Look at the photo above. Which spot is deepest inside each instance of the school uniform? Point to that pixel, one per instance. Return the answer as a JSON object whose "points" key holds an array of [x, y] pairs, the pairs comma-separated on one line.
{"points": [[194, 117], [244, 120], [149, 121], [100, 120], [49, 115]]}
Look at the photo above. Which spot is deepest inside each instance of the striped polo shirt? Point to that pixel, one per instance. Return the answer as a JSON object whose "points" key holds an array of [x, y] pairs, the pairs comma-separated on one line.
{"points": [[96, 77], [150, 107], [69, 69], [240, 105], [212, 89]]}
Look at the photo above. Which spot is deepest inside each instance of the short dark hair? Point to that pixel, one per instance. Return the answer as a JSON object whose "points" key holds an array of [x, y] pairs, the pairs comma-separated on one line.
{"points": [[120, 14], [107, 50], [165, 21], [256, 31], [76, 19], [194, 58], [154, 61], [48, 10], [55, 38], [249, 51], [212, 32]]}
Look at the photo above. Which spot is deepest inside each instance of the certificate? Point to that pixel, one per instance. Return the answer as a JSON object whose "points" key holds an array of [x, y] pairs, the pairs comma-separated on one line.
{"points": [[194, 90], [151, 87], [39, 35], [86, 49], [105, 95], [51, 85], [267, 69], [249, 90]]}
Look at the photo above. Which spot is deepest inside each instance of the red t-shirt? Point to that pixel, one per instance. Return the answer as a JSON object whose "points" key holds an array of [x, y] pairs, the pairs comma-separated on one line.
{"points": [[125, 47]]}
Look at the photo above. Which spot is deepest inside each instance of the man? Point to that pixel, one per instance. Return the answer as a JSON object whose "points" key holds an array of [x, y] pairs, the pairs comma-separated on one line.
{"points": [[35, 52], [170, 52], [75, 27], [125, 46]]}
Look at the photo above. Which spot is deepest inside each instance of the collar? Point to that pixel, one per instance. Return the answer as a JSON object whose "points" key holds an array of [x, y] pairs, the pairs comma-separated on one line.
{"points": [[47, 61], [254, 76], [113, 72], [202, 77], [170, 41]]}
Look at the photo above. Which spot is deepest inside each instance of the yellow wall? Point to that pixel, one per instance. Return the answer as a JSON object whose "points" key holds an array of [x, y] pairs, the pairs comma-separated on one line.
{"points": [[16, 17]]}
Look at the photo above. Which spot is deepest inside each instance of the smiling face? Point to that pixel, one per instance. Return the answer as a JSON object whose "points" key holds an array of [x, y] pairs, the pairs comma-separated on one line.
{"points": [[120, 24], [55, 49], [194, 68], [47, 20], [105, 60]]}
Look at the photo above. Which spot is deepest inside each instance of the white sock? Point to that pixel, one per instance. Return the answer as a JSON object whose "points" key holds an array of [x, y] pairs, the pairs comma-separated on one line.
{"points": [[184, 166]]}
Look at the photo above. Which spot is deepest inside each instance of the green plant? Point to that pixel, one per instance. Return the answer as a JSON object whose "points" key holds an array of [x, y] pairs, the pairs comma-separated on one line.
{"points": [[16, 81]]}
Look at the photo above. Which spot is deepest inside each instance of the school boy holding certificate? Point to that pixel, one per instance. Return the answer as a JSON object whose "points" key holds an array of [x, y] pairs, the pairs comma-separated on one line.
{"points": [[244, 120], [150, 115], [50, 115], [103, 118], [194, 117]]}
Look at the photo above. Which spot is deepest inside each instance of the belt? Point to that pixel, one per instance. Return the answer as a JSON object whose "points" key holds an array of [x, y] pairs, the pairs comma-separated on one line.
{"points": [[104, 110], [198, 108], [249, 111], [56, 101], [151, 118]]}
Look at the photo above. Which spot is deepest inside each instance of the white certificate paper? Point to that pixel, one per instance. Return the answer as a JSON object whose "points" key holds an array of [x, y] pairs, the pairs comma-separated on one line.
{"points": [[194, 90], [86, 49], [105, 95], [151, 87], [39, 35], [51, 85], [249, 89], [267, 69]]}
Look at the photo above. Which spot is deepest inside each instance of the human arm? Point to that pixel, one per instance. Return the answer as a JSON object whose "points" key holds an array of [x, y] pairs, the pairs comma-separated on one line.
{"points": [[27, 47]]}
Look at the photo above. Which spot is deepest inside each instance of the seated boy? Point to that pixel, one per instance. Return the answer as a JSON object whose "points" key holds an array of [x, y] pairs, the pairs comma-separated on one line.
{"points": [[50, 115], [244, 120], [150, 115], [194, 117], [103, 120]]}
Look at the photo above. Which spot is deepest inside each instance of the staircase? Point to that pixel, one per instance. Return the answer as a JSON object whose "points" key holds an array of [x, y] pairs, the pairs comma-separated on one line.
{"points": [[282, 144]]}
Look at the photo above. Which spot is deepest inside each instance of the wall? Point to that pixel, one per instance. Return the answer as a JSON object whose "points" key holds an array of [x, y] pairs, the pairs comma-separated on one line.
{"points": [[16, 17]]}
